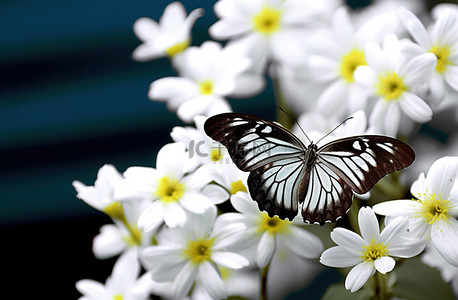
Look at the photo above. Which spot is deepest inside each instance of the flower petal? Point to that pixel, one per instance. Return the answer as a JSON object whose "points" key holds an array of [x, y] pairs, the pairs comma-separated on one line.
{"points": [[151, 217], [418, 70], [415, 27], [417, 109], [392, 119], [332, 98], [339, 257], [444, 235], [394, 230], [368, 224], [184, 280], [441, 176], [92, 289], [451, 76], [397, 208], [347, 239], [384, 264], [266, 249], [302, 242], [365, 76], [212, 281], [195, 202], [174, 215], [358, 276], [108, 242], [215, 193], [406, 247], [229, 259]]}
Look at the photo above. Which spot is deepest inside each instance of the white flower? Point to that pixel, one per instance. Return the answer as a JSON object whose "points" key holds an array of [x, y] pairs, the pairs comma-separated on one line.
{"points": [[170, 36], [392, 79], [122, 284], [264, 233], [101, 195], [269, 29], [450, 273], [195, 250], [433, 214], [372, 250], [201, 148], [339, 51], [442, 41], [228, 178], [208, 73], [124, 235], [169, 188]]}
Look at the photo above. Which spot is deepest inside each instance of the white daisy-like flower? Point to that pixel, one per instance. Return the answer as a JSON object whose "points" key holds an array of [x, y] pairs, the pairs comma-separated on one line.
{"points": [[264, 233], [201, 148], [372, 251], [393, 80], [124, 235], [434, 214], [209, 73], [268, 29], [101, 195], [170, 36], [196, 250], [122, 284], [449, 272], [339, 52], [441, 40], [169, 187], [228, 178]]}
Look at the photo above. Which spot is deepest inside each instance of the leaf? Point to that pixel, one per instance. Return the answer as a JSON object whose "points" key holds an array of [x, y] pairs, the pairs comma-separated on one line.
{"points": [[418, 281]]}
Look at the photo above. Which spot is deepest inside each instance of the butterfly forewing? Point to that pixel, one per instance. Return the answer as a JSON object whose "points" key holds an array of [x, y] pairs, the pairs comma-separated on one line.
{"points": [[251, 141], [361, 161], [284, 174]]}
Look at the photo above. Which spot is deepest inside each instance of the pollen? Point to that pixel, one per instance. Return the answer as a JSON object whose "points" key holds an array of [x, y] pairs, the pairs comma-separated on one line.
{"points": [[198, 251], [267, 21], [373, 251], [118, 297], [237, 186], [216, 154], [391, 86], [177, 48], [434, 208], [442, 53], [273, 225], [350, 62], [169, 190], [206, 87]]}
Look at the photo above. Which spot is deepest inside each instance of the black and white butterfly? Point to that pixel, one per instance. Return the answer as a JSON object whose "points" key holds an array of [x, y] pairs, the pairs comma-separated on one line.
{"points": [[285, 175]]}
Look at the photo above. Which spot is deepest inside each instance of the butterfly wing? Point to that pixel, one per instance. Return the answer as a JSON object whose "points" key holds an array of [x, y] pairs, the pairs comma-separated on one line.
{"points": [[273, 155], [346, 165]]}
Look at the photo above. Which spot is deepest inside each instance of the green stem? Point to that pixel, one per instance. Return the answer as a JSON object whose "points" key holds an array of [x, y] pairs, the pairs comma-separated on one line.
{"points": [[381, 287], [264, 272]]}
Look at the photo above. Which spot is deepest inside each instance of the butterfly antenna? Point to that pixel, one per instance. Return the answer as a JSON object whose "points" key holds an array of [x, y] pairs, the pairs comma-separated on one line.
{"points": [[296, 123], [334, 128]]}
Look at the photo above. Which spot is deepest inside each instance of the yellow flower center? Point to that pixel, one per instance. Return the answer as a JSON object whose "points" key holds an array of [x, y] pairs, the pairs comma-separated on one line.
{"points": [[442, 53], [206, 87], [237, 186], [373, 251], [169, 190], [115, 211], [216, 154], [118, 297], [177, 48], [350, 62], [434, 208], [391, 86], [267, 21], [198, 251], [273, 225]]}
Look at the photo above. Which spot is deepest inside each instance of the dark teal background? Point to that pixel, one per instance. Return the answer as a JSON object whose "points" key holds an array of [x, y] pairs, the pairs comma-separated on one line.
{"points": [[71, 100]]}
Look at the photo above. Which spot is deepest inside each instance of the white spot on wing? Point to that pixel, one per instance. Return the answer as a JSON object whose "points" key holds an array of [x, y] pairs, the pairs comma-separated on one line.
{"points": [[357, 145]]}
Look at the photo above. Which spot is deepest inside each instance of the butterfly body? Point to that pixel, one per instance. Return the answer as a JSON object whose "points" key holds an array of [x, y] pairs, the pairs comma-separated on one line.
{"points": [[285, 175]]}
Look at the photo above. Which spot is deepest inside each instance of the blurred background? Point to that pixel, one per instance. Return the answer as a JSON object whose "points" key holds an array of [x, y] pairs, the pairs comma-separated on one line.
{"points": [[72, 100]]}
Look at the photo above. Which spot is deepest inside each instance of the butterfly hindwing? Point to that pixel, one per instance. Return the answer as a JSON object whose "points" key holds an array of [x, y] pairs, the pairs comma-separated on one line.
{"points": [[277, 186], [361, 161]]}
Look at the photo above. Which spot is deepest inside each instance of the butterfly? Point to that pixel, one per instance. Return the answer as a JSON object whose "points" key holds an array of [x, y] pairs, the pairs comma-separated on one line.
{"points": [[285, 175]]}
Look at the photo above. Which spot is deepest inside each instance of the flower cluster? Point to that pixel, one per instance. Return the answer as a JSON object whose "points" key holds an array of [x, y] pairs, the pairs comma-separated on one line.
{"points": [[188, 228]]}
